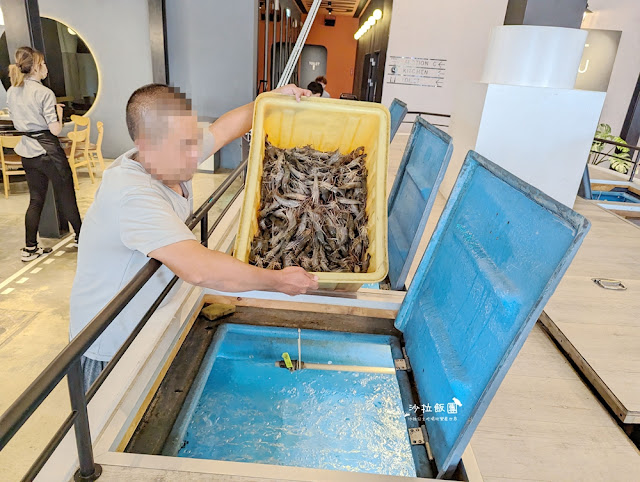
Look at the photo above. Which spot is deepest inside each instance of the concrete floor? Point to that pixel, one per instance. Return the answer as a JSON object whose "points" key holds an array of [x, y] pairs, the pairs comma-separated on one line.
{"points": [[34, 315]]}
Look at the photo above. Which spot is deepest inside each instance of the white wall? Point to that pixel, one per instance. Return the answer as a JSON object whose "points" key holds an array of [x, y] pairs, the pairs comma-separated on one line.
{"points": [[455, 30], [621, 15], [504, 123], [117, 33]]}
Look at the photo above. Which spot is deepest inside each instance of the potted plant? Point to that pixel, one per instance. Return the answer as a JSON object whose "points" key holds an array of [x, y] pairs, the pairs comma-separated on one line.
{"points": [[619, 157]]}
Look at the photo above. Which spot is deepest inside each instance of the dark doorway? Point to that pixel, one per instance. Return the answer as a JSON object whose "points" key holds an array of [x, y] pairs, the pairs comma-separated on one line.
{"points": [[370, 76], [631, 127]]}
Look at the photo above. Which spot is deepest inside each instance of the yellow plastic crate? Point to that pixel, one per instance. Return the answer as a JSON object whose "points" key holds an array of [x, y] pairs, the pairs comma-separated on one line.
{"points": [[326, 125]]}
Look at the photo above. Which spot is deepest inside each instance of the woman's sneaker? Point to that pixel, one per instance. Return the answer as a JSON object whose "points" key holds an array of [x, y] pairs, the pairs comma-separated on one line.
{"points": [[29, 254]]}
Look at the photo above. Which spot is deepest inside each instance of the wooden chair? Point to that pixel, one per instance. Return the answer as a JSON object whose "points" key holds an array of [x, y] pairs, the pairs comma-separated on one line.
{"points": [[79, 154], [95, 150], [12, 164], [78, 121], [81, 121]]}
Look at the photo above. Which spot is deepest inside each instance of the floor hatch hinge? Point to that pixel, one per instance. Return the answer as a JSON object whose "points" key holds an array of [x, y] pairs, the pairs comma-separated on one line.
{"points": [[402, 363], [418, 436]]}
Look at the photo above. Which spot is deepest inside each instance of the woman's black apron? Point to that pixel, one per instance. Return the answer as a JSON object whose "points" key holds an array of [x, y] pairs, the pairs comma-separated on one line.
{"points": [[56, 155], [53, 149]]}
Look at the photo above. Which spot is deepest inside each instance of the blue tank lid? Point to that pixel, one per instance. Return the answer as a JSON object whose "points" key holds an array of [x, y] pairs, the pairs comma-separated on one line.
{"points": [[498, 252], [414, 191]]}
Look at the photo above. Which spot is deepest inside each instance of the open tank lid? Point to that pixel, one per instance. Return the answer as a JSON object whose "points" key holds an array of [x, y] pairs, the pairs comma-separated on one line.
{"points": [[414, 191], [498, 252]]}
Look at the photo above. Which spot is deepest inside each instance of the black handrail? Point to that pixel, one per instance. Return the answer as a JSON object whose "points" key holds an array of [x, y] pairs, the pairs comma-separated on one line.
{"points": [[620, 144], [417, 112], [68, 360]]}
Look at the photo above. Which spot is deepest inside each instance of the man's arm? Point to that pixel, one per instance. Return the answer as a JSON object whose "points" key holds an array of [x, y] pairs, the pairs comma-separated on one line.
{"points": [[200, 266], [237, 122]]}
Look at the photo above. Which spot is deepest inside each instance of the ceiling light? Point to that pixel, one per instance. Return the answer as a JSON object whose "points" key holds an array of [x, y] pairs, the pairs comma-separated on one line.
{"points": [[71, 31], [371, 21], [377, 14], [1, 17], [288, 13]]}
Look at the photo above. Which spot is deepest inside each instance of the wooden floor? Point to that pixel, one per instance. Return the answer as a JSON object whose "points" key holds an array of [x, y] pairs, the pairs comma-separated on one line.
{"points": [[545, 423], [600, 329]]}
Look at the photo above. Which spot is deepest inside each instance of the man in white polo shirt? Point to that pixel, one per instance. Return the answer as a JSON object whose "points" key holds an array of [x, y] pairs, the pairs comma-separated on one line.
{"points": [[139, 212]]}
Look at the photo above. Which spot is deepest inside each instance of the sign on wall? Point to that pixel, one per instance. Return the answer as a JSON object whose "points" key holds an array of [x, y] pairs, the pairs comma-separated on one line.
{"points": [[416, 71], [598, 57]]}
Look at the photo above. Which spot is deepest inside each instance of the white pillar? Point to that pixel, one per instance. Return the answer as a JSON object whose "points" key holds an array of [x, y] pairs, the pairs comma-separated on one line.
{"points": [[525, 115]]}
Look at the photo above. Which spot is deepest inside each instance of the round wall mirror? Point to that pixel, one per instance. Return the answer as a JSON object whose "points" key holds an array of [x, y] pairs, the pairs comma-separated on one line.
{"points": [[73, 73]]}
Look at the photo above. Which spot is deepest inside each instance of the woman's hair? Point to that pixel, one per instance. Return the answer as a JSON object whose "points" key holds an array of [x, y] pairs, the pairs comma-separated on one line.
{"points": [[26, 60], [322, 79]]}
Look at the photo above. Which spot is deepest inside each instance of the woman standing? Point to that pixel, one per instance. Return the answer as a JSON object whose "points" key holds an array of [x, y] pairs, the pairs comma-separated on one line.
{"points": [[34, 112]]}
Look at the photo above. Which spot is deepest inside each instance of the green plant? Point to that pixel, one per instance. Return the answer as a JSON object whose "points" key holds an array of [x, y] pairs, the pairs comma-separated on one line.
{"points": [[619, 157]]}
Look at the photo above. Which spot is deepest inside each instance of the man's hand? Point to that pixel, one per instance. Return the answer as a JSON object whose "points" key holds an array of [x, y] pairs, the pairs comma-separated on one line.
{"points": [[295, 281], [200, 266], [293, 89]]}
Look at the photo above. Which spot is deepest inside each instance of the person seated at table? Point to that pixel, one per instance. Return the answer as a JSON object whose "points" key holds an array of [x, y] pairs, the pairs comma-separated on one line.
{"points": [[34, 112], [315, 88], [322, 80]]}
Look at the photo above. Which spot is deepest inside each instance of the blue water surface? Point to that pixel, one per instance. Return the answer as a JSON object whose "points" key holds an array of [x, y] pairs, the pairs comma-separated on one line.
{"points": [[252, 411], [614, 196]]}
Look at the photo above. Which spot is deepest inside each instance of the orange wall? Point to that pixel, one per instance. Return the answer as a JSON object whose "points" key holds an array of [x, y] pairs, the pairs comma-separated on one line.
{"points": [[341, 51], [261, 49]]}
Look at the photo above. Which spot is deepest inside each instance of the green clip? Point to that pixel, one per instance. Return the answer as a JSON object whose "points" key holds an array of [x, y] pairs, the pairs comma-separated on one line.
{"points": [[287, 360]]}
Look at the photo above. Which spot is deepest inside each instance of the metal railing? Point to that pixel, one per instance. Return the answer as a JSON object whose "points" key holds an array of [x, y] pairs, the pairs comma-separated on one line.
{"points": [[634, 149], [68, 360], [427, 114]]}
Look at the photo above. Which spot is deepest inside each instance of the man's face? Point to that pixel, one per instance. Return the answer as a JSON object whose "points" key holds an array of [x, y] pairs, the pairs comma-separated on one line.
{"points": [[173, 157]]}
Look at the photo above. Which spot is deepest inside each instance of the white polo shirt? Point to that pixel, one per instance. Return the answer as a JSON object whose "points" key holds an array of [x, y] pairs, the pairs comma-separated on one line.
{"points": [[132, 214], [32, 107]]}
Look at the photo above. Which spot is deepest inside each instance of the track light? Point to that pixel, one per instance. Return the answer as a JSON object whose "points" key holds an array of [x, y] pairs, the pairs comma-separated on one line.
{"points": [[371, 21]]}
